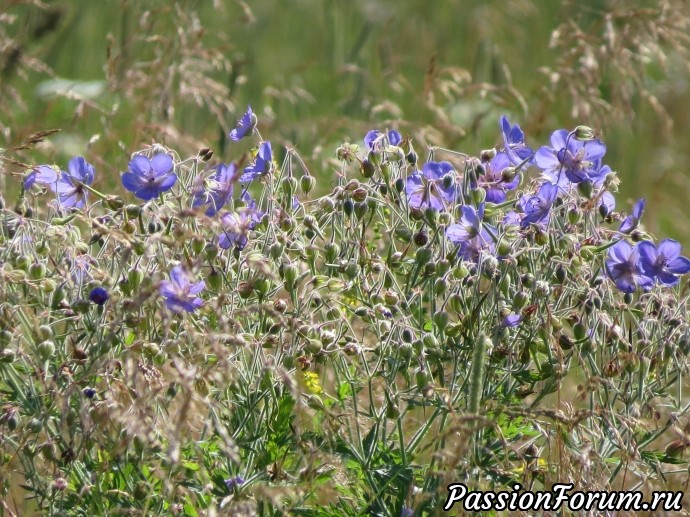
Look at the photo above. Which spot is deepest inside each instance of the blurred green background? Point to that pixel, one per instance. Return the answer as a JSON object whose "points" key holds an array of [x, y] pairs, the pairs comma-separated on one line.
{"points": [[116, 75]]}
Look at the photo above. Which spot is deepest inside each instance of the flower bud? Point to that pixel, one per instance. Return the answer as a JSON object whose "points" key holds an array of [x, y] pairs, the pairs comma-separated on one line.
{"points": [[359, 194], [580, 331], [423, 256], [520, 299], [351, 270], [460, 271], [290, 273], [411, 158], [326, 204], [540, 237], [423, 379], [367, 168], [508, 174], [37, 271], [487, 155], [114, 202], [391, 299], [441, 319], [215, 280], [245, 289], [561, 274], [133, 211], [431, 215], [289, 185], [45, 349], [478, 195], [275, 250], [420, 238], [574, 216], [129, 227], [348, 207], [585, 188], [386, 170], [361, 210], [307, 183], [399, 185], [134, 278], [442, 267], [455, 302], [440, 286], [584, 133], [205, 154], [503, 248]]}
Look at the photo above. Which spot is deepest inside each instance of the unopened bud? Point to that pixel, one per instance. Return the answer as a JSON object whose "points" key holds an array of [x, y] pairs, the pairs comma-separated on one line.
{"points": [[307, 183], [584, 133], [487, 155]]}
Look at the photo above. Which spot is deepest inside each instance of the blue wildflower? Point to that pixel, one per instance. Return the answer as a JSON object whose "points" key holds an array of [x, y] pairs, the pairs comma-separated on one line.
{"points": [[514, 143], [262, 165], [69, 186], [43, 175], [631, 222], [579, 161], [235, 482], [624, 268], [375, 138], [512, 320], [149, 178], [663, 262], [433, 187], [99, 295], [180, 293], [237, 225], [537, 208], [469, 225], [245, 125], [220, 187], [494, 180]]}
